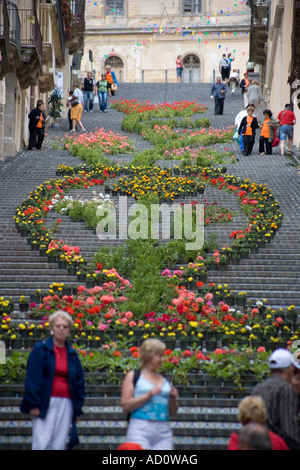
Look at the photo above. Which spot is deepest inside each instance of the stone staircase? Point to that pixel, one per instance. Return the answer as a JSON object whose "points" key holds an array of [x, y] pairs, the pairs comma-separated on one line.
{"points": [[208, 415], [206, 418]]}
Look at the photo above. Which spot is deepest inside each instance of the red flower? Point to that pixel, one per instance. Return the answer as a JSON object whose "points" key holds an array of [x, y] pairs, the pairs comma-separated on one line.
{"points": [[168, 352]]}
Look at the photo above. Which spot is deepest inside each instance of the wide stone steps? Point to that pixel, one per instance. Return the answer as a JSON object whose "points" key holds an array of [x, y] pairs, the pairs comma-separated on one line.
{"points": [[206, 418]]}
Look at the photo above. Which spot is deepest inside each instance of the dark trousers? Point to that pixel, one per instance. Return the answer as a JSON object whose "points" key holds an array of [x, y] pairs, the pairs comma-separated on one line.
{"points": [[36, 137], [70, 120], [219, 105], [248, 142], [265, 145]]}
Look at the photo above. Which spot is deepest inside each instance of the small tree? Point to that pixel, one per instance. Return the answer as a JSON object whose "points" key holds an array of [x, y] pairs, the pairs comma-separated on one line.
{"points": [[55, 104]]}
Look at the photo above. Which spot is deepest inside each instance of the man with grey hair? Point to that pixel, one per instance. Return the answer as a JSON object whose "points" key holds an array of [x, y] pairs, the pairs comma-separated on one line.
{"points": [[217, 93], [280, 398]]}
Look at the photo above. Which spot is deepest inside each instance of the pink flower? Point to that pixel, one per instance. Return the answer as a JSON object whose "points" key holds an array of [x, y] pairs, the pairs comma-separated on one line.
{"points": [[128, 315], [102, 327], [209, 296]]}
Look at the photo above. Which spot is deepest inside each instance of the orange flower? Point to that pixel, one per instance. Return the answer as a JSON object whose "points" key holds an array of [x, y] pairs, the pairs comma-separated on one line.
{"points": [[117, 353]]}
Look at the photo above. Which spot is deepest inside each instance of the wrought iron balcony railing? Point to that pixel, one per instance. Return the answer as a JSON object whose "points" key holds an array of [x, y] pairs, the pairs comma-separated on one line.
{"points": [[30, 31], [4, 26], [14, 26]]}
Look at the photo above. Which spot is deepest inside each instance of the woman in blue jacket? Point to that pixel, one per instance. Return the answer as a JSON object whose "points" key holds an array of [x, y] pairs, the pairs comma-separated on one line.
{"points": [[54, 388]]}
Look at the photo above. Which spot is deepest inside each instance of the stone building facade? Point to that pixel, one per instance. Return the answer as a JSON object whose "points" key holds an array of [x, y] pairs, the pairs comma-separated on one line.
{"points": [[38, 39], [275, 49], [141, 39]]}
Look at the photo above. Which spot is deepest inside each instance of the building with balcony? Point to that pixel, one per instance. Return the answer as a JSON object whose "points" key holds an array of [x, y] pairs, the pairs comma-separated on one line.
{"points": [[38, 39], [274, 48], [141, 39]]}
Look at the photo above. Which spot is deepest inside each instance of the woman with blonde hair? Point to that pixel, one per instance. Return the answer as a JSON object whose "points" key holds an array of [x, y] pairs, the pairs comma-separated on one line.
{"points": [[150, 399], [54, 387]]}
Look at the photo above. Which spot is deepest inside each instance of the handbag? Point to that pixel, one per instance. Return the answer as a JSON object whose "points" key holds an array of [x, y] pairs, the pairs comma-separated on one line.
{"points": [[74, 103], [237, 138], [114, 86], [276, 140]]}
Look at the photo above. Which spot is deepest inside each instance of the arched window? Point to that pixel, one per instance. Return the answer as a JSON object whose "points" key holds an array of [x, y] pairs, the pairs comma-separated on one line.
{"points": [[115, 62]]}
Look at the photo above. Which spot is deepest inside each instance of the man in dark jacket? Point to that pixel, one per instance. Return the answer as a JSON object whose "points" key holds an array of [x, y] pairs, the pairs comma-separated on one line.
{"points": [[217, 92], [280, 398], [36, 126]]}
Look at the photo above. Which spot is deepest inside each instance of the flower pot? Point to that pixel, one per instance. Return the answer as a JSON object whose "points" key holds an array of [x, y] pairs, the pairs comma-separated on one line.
{"points": [[202, 277], [235, 260], [90, 283], [240, 301], [23, 333], [229, 301], [213, 266], [35, 298], [62, 265], [71, 270], [52, 259], [223, 266], [17, 343], [23, 307], [35, 247], [29, 343]]}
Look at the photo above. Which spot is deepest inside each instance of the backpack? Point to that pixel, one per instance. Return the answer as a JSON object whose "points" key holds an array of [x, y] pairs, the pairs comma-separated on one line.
{"points": [[136, 374]]}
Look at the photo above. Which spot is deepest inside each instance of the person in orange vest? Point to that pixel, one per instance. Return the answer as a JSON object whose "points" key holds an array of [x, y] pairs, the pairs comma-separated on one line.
{"points": [[110, 77], [37, 120], [248, 126], [268, 127]]}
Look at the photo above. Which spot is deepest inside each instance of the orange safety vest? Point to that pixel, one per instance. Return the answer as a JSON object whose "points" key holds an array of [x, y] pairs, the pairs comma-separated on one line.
{"points": [[40, 122], [249, 129], [265, 130], [108, 77]]}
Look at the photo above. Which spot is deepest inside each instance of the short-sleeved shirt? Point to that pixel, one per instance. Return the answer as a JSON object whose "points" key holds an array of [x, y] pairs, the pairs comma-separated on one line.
{"points": [[79, 95], [286, 119], [224, 62], [179, 63]]}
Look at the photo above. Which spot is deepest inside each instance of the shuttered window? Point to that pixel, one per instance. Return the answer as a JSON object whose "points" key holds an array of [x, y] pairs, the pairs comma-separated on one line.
{"points": [[192, 6]]}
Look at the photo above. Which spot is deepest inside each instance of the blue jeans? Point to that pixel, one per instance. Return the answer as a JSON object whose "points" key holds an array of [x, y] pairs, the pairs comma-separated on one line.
{"points": [[102, 96], [88, 96], [286, 131]]}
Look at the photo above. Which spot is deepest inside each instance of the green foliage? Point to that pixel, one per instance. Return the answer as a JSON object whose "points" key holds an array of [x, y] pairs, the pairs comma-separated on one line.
{"points": [[55, 104]]}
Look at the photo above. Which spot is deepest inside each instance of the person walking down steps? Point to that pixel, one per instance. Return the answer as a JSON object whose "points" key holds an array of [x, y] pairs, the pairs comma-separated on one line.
{"points": [[37, 120], [248, 126], [217, 93]]}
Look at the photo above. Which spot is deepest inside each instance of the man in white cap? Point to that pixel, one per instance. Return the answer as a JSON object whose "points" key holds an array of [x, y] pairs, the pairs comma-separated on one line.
{"points": [[281, 399]]}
